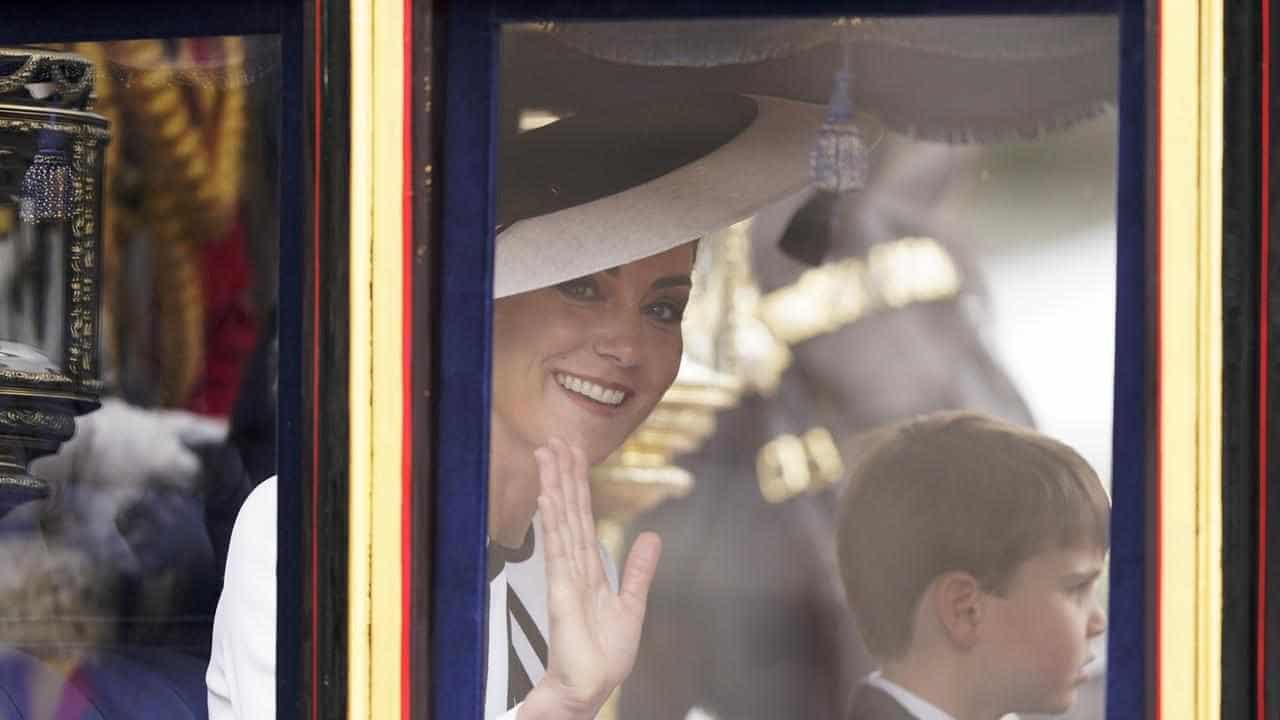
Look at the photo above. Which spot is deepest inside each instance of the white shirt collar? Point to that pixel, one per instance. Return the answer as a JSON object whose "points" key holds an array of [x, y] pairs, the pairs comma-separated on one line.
{"points": [[916, 705]]}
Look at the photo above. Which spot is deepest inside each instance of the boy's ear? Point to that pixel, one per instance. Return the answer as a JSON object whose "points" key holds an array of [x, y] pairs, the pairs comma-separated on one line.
{"points": [[957, 603]]}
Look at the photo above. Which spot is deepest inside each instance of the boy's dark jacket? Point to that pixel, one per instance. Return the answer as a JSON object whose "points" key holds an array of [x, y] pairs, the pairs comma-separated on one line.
{"points": [[872, 703]]}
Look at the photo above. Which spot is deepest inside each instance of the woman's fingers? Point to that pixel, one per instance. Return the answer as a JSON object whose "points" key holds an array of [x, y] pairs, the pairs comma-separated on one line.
{"points": [[590, 551], [564, 475], [562, 489], [554, 547], [637, 574], [585, 550], [550, 513], [594, 632], [572, 500], [548, 473], [569, 489], [564, 583]]}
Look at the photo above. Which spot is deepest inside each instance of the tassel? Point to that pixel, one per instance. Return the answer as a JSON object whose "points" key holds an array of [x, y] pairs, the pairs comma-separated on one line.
{"points": [[839, 159], [46, 187], [840, 163]]}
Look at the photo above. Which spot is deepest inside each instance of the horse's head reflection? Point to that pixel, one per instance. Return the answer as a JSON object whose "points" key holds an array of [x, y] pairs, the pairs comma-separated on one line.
{"points": [[747, 616]]}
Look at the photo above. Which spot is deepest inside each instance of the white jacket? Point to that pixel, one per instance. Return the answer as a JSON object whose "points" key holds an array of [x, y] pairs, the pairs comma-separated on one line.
{"points": [[242, 667]]}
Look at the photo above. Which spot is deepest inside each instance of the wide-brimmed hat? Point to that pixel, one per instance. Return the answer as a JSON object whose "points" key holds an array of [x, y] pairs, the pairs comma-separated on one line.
{"points": [[606, 187]]}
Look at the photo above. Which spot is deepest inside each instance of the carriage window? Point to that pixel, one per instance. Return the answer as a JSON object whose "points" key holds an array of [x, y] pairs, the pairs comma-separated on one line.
{"points": [[138, 243], [828, 305]]}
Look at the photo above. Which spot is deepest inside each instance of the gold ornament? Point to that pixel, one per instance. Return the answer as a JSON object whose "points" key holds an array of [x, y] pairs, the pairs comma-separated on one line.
{"points": [[788, 465], [826, 298]]}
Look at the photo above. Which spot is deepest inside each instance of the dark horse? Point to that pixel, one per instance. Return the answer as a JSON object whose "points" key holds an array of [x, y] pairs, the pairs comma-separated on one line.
{"points": [[747, 617]]}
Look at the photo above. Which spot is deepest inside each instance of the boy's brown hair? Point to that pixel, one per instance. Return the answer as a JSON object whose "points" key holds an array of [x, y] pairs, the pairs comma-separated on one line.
{"points": [[956, 491]]}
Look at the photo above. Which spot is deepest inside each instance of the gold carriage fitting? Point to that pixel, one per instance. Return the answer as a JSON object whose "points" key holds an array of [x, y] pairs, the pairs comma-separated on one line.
{"points": [[51, 176]]}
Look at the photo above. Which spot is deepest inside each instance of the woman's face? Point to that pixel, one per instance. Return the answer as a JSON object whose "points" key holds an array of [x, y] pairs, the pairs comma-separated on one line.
{"points": [[588, 359]]}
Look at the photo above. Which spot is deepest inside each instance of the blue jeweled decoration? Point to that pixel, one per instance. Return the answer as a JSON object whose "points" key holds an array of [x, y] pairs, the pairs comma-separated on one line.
{"points": [[46, 187], [840, 158]]}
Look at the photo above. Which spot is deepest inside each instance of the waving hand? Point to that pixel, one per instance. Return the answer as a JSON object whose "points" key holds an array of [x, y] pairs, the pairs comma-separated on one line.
{"points": [[595, 632]]}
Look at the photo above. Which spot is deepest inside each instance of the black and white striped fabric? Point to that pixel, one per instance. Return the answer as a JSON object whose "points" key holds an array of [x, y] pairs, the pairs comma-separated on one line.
{"points": [[518, 624]]}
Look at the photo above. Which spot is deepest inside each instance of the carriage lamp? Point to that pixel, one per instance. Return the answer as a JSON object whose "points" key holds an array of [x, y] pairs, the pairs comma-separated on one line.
{"points": [[51, 179]]}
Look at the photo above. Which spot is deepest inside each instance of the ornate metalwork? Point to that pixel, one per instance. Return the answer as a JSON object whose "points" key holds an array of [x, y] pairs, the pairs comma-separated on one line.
{"points": [[29, 126], [46, 92], [790, 465], [894, 274], [751, 349], [81, 355], [17, 482], [34, 76], [9, 376], [19, 420]]}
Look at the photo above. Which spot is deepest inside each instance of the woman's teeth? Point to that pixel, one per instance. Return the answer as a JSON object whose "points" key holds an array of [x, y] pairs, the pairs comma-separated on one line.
{"points": [[590, 389]]}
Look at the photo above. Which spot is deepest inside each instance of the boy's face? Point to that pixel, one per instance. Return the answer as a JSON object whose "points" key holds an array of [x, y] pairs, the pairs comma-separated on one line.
{"points": [[1038, 632]]}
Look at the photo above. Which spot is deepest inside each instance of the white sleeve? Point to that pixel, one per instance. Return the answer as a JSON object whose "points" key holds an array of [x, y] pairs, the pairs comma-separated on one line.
{"points": [[242, 667]]}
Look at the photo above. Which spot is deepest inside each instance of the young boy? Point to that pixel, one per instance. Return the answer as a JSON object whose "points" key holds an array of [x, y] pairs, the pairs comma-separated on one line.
{"points": [[970, 549]]}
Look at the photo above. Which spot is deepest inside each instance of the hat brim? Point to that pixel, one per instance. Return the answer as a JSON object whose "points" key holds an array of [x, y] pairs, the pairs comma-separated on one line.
{"points": [[765, 162]]}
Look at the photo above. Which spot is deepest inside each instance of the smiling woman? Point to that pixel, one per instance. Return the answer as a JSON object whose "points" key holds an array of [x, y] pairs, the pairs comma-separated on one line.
{"points": [[597, 221], [586, 361], [598, 217]]}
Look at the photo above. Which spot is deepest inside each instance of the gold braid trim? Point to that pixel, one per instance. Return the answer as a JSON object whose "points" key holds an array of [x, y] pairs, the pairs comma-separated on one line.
{"points": [[195, 159], [190, 127], [179, 304]]}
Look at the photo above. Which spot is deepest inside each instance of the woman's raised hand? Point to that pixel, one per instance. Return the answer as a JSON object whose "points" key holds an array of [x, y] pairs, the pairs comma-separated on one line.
{"points": [[595, 632]]}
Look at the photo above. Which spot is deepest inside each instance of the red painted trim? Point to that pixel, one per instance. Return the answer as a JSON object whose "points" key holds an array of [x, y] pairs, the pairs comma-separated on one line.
{"points": [[406, 350], [316, 155], [1157, 465], [1263, 340]]}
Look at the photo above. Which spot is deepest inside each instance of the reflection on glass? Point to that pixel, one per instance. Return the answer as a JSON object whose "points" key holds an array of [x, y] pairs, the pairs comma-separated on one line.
{"points": [[108, 584], [954, 250]]}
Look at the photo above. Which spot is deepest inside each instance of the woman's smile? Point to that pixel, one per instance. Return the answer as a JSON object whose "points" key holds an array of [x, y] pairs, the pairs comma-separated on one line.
{"points": [[606, 395]]}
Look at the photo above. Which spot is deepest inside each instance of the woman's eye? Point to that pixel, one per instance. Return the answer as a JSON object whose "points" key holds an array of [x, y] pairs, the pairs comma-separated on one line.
{"points": [[579, 289], [666, 312]]}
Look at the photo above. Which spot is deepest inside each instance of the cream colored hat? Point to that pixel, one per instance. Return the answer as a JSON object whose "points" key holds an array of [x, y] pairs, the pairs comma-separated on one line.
{"points": [[601, 189]]}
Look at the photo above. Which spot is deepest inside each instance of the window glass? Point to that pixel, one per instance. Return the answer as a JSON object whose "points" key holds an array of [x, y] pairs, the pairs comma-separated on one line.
{"points": [[883, 219], [138, 244]]}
